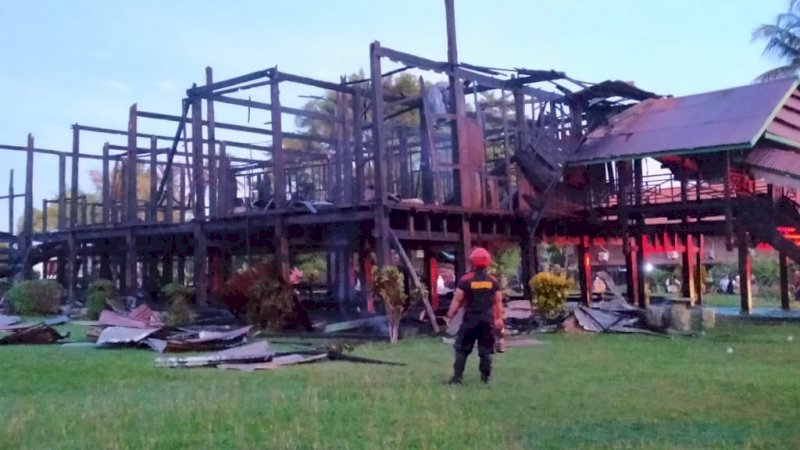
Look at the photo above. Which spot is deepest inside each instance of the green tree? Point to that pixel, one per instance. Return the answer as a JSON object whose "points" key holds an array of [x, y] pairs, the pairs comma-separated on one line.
{"points": [[52, 213], [783, 42]]}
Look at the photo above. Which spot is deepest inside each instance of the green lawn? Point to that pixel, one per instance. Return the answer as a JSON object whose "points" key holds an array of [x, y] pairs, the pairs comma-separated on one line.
{"points": [[734, 300], [575, 391]]}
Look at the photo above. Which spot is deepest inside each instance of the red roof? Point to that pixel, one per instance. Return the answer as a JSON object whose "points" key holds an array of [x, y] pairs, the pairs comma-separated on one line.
{"points": [[710, 121]]}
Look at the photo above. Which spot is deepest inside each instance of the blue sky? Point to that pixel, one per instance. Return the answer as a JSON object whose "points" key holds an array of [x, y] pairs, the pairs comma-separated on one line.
{"points": [[83, 61]]}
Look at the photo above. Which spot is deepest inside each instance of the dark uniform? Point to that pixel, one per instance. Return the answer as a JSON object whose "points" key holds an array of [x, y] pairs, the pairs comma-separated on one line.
{"points": [[478, 325]]}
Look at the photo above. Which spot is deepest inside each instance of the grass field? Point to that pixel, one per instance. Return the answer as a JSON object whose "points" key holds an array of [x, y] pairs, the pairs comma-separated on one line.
{"points": [[733, 300], [574, 391]]}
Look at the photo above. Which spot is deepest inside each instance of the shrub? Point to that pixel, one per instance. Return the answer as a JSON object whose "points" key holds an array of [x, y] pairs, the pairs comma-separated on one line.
{"points": [[389, 282], [271, 303], [550, 294], [99, 292], [180, 298], [37, 297], [180, 312]]}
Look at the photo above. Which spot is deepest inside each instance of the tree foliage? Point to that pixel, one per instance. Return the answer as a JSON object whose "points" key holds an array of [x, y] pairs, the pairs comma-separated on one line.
{"points": [[782, 42], [389, 283]]}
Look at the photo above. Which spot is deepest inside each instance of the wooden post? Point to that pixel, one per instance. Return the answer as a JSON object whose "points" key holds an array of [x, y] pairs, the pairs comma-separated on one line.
{"points": [[644, 301], [224, 181], [358, 144], [529, 261], [688, 268], [44, 215], [784, 281], [427, 155], [131, 263], [105, 263], [129, 186], [167, 269], [463, 247], [169, 191], [433, 277], [632, 274], [745, 271], [62, 192], [728, 203], [365, 258], [405, 172], [278, 158], [182, 197], [200, 258], [197, 159], [28, 219], [106, 186], [379, 158], [201, 264], [347, 154], [131, 206], [338, 193], [701, 282], [153, 210], [457, 95], [181, 269], [279, 176], [585, 271], [212, 149], [72, 270], [11, 198]]}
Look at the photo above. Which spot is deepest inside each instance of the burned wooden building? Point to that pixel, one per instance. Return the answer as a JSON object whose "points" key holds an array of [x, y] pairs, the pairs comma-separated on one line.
{"points": [[487, 156]]}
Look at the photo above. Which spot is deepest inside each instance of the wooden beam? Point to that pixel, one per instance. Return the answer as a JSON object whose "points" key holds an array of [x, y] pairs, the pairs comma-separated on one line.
{"points": [[745, 272], [700, 285], [129, 186], [27, 230], [278, 160], [379, 152], [201, 263], [347, 153], [212, 148], [688, 267], [19, 148], [196, 90], [11, 197], [783, 265], [585, 271], [62, 192], [72, 269], [316, 83], [482, 80], [404, 166], [358, 144], [728, 202], [106, 186], [182, 197], [235, 127], [197, 159], [414, 279], [152, 213], [268, 107]]}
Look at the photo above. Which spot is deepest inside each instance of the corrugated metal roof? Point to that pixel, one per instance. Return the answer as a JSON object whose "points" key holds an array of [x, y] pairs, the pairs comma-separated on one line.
{"points": [[779, 162], [727, 118]]}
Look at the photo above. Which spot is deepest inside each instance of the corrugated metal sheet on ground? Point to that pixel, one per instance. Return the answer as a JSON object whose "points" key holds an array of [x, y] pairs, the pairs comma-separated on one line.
{"points": [[681, 124]]}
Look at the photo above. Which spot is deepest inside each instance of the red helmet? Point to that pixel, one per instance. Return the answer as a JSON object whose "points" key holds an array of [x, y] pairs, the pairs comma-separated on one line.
{"points": [[480, 258]]}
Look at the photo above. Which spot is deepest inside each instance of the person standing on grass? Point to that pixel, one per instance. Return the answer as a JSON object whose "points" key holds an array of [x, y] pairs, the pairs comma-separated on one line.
{"points": [[480, 295]]}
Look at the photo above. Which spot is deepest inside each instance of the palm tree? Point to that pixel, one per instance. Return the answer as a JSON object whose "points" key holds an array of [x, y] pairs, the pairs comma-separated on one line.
{"points": [[783, 42]]}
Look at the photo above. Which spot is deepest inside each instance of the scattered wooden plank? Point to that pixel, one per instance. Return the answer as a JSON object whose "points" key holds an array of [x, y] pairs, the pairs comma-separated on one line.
{"points": [[256, 352], [278, 361]]}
